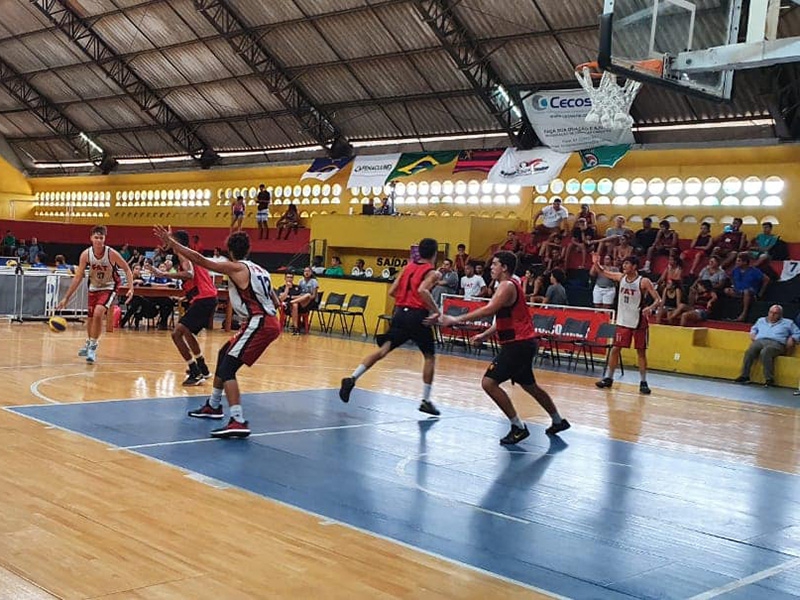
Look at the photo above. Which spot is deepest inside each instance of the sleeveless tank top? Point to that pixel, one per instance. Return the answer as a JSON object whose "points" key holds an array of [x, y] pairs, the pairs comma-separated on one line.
{"points": [[629, 305], [514, 322], [408, 287], [255, 299], [102, 274]]}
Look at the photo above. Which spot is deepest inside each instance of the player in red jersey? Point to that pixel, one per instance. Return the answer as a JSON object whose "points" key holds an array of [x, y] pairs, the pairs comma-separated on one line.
{"points": [[413, 306], [517, 348], [254, 301], [201, 293]]}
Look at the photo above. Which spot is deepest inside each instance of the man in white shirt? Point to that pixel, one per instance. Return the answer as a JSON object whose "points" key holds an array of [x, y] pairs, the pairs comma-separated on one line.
{"points": [[553, 215], [472, 285]]}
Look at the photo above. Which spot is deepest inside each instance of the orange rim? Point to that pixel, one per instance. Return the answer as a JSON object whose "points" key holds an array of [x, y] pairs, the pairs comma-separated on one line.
{"points": [[654, 66], [594, 69]]}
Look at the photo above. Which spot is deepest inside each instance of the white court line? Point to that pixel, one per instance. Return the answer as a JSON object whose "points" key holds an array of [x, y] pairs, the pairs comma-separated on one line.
{"points": [[754, 578], [269, 434]]}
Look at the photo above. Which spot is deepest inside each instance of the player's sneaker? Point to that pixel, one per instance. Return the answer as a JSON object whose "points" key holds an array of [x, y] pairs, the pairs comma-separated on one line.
{"points": [[232, 429], [91, 354], [556, 429], [605, 382], [515, 435], [193, 379], [204, 372], [84, 351], [207, 412], [427, 406], [348, 383], [644, 388]]}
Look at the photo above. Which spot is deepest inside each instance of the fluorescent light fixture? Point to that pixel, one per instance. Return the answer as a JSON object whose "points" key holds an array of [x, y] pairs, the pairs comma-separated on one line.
{"points": [[155, 159], [90, 142], [243, 153], [423, 140], [714, 125], [64, 165]]}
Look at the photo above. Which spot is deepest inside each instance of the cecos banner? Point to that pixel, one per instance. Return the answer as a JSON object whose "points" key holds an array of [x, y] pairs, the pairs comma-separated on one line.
{"points": [[457, 305], [559, 119]]}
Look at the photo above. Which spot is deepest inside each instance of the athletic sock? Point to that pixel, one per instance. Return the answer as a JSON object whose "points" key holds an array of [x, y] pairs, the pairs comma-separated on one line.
{"points": [[556, 418], [236, 413], [92, 343], [360, 370], [215, 399], [517, 422], [426, 391]]}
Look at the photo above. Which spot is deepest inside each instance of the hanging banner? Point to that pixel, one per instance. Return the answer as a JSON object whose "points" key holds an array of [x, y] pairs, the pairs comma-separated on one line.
{"points": [[372, 171], [559, 119], [477, 160], [604, 156], [411, 163], [527, 167], [325, 168]]}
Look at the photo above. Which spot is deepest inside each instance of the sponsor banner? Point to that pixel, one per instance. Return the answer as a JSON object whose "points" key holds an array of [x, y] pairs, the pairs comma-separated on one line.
{"points": [[411, 163], [457, 305], [372, 171], [325, 168], [791, 269], [477, 160], [527, 167], [604, 156], [559, 119]]}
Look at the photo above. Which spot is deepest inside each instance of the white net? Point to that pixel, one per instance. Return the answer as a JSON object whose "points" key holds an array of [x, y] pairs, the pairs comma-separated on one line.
{"points": [[611, 103]]}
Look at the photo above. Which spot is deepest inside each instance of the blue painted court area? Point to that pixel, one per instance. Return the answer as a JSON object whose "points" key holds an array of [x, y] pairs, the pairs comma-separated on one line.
{"points": [[582, 516]]}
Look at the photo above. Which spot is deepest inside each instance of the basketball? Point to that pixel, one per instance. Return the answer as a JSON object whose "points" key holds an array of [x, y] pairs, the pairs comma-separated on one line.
{"points": [[57, 324]]}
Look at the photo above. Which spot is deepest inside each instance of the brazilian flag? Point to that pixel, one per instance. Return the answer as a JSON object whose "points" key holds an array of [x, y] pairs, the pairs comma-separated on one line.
{"points": [[411, 163]]}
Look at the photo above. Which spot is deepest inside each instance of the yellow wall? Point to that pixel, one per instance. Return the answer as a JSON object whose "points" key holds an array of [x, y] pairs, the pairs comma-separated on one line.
{"points": [[14, 187]]}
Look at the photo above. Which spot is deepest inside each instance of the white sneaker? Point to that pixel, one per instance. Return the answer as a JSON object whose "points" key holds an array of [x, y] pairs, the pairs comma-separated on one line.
{"points": [[796, 393], [91, 354], [82, 352]]}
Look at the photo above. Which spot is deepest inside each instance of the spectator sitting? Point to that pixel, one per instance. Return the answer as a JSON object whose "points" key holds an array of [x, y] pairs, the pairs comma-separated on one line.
{"points": [[136, 258], [622, 251], [555, 258], [556, 294], [762, 244], [771, 336], [462, 258], [528, 284], [306, 301], [666, 243], [61, 264], [582, 236], [34, 250], [588, 214], [318, 265], [614, 235], [672, 303], [644, 240], [22, 252], [9, 243], [552, 217], [713, 273], [39, 263], [605, 289], [287, 292], [358, 270], [125, 253], [748, 283], [511, 243], [728, 245], [290, 220], [700, 247], [700, 305], [472, 285], [673, 272], [336, 269], [448, 284]]}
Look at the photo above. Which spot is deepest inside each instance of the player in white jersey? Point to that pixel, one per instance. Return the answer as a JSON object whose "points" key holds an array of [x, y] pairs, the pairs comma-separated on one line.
{"points": [[254, 300], [631, 318], [102, 262]]}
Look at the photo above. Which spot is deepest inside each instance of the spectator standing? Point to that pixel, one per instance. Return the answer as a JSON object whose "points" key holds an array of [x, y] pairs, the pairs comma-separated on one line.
{"points": [[552, 217], [237, 214], [22, 252], [9, 243], [462, 258], [771, 336], [34, 250], [614, 235], [605, 289], [262, 212]]}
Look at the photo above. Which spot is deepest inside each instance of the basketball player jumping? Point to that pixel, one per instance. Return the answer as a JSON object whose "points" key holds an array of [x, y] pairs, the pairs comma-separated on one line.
{"points": [[103, 262], [517, 348], [254, 301], [631, 318], [201, 293], [413, 305]]}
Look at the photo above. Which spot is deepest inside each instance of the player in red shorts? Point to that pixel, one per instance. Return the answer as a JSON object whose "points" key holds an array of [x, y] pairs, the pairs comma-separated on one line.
{"points": [[255, 302], [103, 263], [631, 318]]}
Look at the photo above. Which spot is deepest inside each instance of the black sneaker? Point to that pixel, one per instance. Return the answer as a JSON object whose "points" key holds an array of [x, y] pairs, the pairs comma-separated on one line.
{"points": [[427, 406], [742, 379], [605, 382], [348, 383], [207, 412], [193, 379], [556, 429], [232, 429], [644, 388], [769, 383], [204, 372], [515, 435]]}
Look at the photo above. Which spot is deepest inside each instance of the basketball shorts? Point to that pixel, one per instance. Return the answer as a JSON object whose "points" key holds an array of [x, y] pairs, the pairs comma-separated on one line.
{"points": [[407, 324], [255, 335], [514, 362], [639, 336], [104, 298], [199, 315]]}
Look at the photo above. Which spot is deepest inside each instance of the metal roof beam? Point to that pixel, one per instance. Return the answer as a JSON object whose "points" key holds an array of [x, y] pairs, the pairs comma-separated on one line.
{"points": [[251, 49], [503, 103], [82, 35], [49, 114]]}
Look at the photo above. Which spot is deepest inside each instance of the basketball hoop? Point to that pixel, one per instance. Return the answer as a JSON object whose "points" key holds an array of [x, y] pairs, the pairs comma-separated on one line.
{"points": [[611, 102]]}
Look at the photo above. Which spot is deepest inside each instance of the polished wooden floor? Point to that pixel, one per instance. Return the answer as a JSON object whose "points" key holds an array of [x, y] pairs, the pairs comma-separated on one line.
{"points": [[81, 521]]}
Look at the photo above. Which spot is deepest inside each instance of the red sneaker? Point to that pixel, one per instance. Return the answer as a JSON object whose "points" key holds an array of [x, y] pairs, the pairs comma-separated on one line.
{"points": [[232, 429], [207, 412]]}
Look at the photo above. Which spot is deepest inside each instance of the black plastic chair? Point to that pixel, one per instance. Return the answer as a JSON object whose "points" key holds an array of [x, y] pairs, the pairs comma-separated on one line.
{"points": [[573, 334], [327, 311], [382, 319], [544, 328], [354, 309], [604, 339]]}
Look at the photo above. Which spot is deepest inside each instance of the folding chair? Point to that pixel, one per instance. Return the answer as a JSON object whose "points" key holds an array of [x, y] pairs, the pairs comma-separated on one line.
{"points": [[544, 327], [573, 333], [603, 339], [355, 308], [327, 311], [455, 311], [381, 319]]}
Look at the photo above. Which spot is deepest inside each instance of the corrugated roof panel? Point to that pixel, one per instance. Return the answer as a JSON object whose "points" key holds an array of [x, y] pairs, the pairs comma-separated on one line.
{"points": [[114, 112], [256, 87], [193, 19], [156, 71], [19, 18], [52, 150], [332, 85], [297, 44], [140, 143], [489, 18], [263, 132], [230, 98], [532, 61], [357, 34], [293, 131], [264, 13], [74, 83], [440, 71], [365, 123], [660, 105], [22, 124], [196, 63], [153, 25], [561, 14], [409, 30], [322, 7], [391, 77], [41, 51], [225, 54], [580, 47], [471, 113], [91, 8], [85, 117], [190, 105], [7, 101], [121, 34]]}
